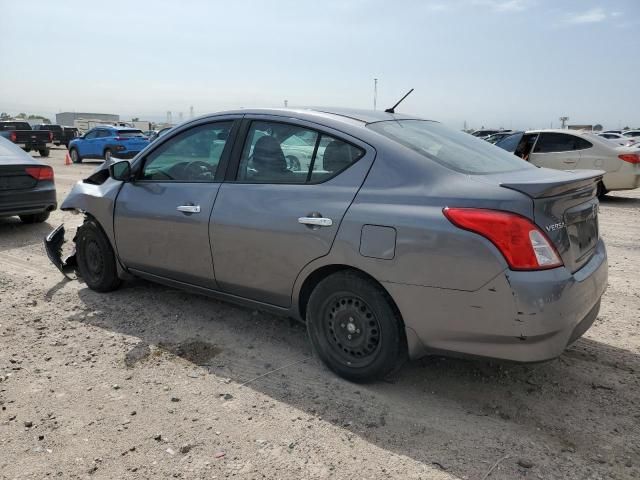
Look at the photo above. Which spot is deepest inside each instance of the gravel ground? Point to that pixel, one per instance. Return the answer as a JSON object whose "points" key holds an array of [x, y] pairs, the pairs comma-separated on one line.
{"points": [[150, 382]]}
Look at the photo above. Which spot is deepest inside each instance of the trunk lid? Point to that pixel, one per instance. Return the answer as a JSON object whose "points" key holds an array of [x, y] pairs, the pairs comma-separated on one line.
{"points": [[565, 208]]}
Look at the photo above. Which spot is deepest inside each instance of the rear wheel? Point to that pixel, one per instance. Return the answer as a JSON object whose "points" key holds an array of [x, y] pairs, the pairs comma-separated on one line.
{"points": [[96, 259], [602, 191], [35, 217], [354, 328], [75, 156], [44, 152], [107, 155]]}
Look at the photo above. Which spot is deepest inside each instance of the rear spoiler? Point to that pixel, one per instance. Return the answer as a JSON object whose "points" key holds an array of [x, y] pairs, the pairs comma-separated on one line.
{"points": [[578, 180]]}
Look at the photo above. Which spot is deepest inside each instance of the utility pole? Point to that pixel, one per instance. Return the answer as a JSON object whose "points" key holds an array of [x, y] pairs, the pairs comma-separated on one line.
{"points": [[563, 121], [191, 111], [286, 103], [375, 92]]}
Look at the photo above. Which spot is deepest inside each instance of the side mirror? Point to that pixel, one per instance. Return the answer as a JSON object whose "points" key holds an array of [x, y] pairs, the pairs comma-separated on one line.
{"points": [[120, 171]]}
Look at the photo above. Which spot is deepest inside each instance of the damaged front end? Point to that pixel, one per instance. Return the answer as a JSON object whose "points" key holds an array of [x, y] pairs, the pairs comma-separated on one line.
{"points": [[53, 246]]}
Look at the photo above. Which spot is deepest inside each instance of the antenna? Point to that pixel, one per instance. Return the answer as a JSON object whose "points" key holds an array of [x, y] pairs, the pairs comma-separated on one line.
{"points": [[375, 92], [393, 109]]}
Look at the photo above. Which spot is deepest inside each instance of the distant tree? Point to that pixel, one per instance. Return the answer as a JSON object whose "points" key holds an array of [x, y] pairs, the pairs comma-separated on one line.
{"points": [[4, 116], [21, 115], [626, 128], [39, 117], [136, 119], [597, 128]]}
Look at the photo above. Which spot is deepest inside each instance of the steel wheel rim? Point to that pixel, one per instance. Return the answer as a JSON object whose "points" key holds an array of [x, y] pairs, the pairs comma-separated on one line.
{"points": [[351, 329], [93, 260]]}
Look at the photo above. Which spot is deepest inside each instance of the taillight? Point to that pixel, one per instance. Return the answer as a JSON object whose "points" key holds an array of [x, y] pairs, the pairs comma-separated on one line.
{"points": [[523, 245], [13, 136], [630, 157], [40, 173], [51, 136]]}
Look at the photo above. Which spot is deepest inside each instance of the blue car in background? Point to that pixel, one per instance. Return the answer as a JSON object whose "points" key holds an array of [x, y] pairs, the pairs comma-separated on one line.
{"points": [[106, 141]]}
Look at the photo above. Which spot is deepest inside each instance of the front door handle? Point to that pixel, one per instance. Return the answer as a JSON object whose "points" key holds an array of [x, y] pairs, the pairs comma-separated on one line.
{"points": [[188, 208], [316, 221]]}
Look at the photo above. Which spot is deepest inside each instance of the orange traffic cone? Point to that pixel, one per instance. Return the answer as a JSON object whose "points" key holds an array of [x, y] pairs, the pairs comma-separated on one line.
{"points": [[67, 159]]}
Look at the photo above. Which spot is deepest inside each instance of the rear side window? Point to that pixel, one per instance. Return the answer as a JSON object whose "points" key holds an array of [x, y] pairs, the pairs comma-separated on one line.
{"points": [[551, 142], [284, 153], [456, 150], [130, 133], [104, 133]]}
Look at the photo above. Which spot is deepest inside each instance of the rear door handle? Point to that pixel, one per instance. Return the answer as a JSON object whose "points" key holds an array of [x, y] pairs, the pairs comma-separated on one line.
{"points": [[316, 221], [188, 208]]}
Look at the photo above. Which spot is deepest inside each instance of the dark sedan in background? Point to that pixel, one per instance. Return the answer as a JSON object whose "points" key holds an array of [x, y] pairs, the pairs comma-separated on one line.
{"points": [[27, 188]]}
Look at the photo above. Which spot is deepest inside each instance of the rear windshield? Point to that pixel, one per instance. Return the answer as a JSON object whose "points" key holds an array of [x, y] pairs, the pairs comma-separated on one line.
{"points": [[130, 133], [53, 128], [458, 151], [15, 126]]}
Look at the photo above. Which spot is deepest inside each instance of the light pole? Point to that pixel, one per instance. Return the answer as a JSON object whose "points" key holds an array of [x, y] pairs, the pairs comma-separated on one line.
{"points": [[375, 92], [563, 120]]}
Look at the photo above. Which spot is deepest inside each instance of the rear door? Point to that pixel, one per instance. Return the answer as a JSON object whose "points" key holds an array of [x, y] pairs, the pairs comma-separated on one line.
{"points": [[276, 214], [555, 150], [161, 219]]}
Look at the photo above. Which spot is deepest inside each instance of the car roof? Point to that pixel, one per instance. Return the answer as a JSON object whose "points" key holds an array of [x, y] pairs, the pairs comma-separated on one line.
{"points": [[559, 130], [341, 114]]}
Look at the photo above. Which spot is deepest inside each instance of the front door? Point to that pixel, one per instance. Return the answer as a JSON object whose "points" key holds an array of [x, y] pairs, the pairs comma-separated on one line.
{"points": [[162, 218], [87, 145], [283, 207]]}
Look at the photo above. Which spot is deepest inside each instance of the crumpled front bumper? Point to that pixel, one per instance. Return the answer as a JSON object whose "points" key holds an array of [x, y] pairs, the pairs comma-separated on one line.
{"points": [[53, 246]]}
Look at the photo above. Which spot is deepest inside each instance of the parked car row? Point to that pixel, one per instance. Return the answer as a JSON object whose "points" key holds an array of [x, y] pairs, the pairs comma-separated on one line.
{"points": [[577, 150]]}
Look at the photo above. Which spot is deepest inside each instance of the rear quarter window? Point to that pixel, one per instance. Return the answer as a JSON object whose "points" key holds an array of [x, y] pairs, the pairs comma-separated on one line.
{"points": [[458, 151]]}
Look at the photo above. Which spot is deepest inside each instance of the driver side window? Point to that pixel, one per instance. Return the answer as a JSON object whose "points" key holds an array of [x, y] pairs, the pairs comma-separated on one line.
{"points": [[192, 156]]}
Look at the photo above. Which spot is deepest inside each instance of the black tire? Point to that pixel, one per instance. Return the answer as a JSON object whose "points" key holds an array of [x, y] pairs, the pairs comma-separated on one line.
{"points": [[354, 327], [95, 257], [602, 191], [27, 150], [107, 154], [293, 163], [35, 217], [44, 152], [75, 156]]}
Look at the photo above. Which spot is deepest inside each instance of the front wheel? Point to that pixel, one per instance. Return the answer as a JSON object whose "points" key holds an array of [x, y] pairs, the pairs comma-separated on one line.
{"points": [[107, 155], [96, 259], [44, 152], [354, 328]]}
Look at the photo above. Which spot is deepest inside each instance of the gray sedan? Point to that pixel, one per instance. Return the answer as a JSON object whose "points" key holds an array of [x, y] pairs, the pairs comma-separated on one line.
{"points": [[27, 188], [398, 238]]}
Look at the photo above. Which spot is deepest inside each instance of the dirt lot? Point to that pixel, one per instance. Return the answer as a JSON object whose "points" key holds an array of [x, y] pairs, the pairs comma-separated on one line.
{"points": [[150, 382]]}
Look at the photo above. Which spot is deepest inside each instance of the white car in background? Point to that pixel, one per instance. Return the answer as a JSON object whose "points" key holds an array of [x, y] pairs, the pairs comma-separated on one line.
{"points": [[635, 134], [576, 150], [619, 139]]}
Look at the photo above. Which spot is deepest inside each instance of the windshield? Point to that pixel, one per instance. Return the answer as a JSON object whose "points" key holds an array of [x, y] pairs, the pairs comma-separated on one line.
{"points": [[458, 151]]}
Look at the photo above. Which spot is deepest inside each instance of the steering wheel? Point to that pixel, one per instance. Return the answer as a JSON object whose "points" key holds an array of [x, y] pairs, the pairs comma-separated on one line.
{"points": [[198, 170]]}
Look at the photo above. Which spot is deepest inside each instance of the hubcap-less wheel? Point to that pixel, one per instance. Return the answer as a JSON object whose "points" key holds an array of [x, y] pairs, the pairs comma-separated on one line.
{"points": [[352, 330], [94, 260], [74, 156]]}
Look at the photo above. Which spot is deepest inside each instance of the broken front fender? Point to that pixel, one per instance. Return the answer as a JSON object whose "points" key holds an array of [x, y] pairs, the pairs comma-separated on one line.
{"points": [[53, 246]]}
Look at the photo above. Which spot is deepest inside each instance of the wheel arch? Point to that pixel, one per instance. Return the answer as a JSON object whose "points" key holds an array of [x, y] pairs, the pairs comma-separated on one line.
{"points": [[320, 273]]}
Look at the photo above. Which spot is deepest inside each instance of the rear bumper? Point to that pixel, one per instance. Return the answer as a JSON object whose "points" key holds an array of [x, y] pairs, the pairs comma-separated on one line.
{"points": [[35, 145], [626, 178], [22, 202], [518, 316]]}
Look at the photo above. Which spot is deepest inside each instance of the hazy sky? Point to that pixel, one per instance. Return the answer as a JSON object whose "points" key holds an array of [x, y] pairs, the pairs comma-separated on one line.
{"points": [[510, 63]]}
